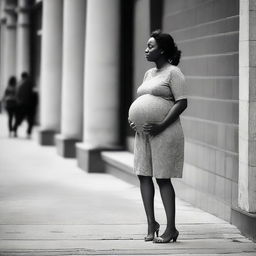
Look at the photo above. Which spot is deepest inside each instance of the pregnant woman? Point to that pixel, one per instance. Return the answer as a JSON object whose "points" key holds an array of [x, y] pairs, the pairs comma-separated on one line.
{"points": [[159, 140]]}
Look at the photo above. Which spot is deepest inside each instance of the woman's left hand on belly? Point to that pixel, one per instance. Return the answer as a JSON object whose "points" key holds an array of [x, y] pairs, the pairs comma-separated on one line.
{"points": [[153, 128]]}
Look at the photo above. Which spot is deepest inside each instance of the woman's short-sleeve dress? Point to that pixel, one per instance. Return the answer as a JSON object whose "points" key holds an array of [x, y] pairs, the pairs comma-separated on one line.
{"points": [[161, 156]]}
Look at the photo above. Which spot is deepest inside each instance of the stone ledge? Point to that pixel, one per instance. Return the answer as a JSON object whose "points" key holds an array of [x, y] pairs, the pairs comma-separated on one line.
{"points": [[120, 164], [244, 221], [121, 159]]}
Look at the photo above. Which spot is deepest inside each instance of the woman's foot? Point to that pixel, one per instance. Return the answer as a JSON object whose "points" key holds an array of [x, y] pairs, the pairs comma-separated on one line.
{"points": [[167, 237], [152, 229]]}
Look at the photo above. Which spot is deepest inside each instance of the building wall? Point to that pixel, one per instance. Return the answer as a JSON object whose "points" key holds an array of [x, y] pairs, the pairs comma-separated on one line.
{"points": [[207, 33]]}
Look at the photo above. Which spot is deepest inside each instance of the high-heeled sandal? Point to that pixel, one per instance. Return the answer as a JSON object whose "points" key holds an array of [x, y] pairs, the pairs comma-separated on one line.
{"points": [[151, 235], [159, 240]]}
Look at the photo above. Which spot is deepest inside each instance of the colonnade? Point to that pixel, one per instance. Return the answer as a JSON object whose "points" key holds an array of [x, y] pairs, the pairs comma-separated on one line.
{"points": [[79, 72], [79, 78]]}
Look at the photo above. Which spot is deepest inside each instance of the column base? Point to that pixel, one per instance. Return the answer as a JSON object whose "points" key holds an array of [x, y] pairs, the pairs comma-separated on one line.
{"points": [[46, 137], [244, 221], [89, 157], [66, 147]]}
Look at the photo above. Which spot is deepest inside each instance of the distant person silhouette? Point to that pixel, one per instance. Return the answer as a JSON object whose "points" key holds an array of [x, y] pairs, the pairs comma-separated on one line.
{"points": [[26, 104], [10, 103]]}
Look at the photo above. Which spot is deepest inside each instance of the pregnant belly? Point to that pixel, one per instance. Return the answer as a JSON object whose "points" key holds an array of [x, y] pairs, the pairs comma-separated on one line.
{"points": [[149, 109]]}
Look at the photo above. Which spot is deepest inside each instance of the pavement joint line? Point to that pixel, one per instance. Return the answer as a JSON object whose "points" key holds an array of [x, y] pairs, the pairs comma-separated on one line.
{"points": [[120, 239], [162, 224]]}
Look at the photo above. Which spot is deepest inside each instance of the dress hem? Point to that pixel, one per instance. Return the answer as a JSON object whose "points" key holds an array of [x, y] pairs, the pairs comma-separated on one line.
{"points": [[157, 177]]}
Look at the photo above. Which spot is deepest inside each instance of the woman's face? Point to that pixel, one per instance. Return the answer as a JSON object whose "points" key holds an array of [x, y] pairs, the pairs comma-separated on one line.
{"points": [[152, 52]]}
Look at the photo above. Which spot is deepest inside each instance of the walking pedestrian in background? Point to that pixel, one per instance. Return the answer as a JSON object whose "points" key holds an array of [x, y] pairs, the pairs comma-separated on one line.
{"points": [[26, 104], [159, 140], [10, 103]]}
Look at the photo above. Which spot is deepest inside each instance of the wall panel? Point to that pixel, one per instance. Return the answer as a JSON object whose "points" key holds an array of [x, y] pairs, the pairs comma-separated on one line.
{"points": [[207, 32]]}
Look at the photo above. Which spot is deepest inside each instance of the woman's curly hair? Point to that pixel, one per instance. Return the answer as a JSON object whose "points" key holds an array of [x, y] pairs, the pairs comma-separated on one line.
{"points": [[167, 44]]}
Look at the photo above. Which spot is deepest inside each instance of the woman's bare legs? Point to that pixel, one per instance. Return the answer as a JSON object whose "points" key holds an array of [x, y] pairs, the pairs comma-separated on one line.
{"points": [[147, 190], [168, 197]]}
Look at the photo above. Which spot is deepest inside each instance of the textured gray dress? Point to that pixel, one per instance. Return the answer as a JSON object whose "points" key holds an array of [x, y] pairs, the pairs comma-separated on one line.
{"points": [[161, 156]]}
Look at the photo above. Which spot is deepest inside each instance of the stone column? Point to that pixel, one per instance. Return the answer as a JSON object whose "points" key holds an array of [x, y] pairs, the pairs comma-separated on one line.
{"points": [[72, 77], [9, 54], [23, 42], [51, 66], [101, 83], [244, 216]]}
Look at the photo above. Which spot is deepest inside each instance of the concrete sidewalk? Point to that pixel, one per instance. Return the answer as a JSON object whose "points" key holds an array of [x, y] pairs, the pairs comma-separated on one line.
{"points": [[48, 206]]}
